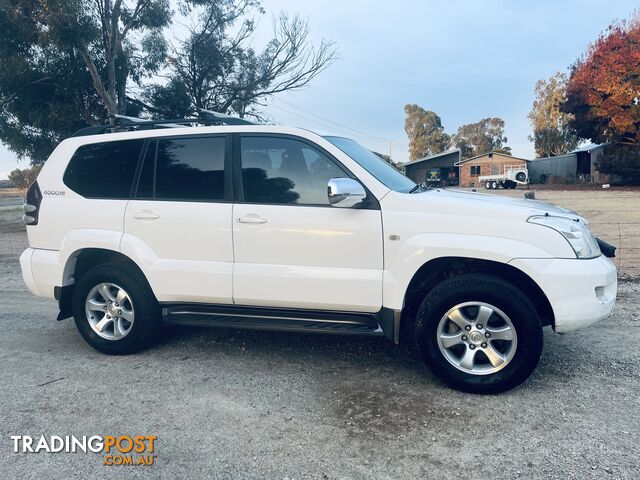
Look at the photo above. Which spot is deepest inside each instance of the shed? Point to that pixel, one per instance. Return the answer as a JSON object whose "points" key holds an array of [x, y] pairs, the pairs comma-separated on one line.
{"points": [[543, 169], [439, 168], [581, 165], [588, 159]]}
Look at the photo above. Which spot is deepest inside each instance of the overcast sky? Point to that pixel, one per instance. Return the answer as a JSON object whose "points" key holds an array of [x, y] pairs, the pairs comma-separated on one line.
{"points": [[465, 60]]}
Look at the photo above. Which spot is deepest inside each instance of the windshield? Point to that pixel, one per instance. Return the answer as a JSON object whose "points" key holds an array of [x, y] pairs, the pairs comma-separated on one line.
{"points": [[373, 164]]}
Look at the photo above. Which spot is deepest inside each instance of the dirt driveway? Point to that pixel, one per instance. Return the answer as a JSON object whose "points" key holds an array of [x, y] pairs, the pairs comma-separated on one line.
{"points": [[227, 404]]}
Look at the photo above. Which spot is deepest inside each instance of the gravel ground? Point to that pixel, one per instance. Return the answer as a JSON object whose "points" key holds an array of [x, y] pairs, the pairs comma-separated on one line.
{"points": [[227, 404]]}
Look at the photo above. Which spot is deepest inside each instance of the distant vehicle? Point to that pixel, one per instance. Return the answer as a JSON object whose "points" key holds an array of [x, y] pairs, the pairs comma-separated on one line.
{"points": [[510, 177], [276, 228]]}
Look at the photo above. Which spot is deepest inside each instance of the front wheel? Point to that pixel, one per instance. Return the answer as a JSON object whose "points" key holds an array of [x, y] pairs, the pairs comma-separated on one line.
{"points": [[479, 333]]}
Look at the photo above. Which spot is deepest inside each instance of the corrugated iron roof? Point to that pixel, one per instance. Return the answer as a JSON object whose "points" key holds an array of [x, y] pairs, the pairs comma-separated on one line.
{"points": [[437, 155]]}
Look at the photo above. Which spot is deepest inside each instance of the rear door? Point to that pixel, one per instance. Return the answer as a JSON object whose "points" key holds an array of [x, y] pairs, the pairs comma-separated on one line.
{"points": [[179, 221], [292, 248]]}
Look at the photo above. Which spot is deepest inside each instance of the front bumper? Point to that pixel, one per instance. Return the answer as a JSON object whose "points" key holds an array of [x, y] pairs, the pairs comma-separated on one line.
{"points": [[581, 292]]}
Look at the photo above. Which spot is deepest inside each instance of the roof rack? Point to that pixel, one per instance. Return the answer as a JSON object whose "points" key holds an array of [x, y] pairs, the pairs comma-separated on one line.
{"points": [[126, 123]]}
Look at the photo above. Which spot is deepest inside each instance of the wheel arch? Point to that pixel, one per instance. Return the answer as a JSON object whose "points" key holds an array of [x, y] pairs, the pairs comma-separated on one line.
{"points": [[78, 263], [438, 269]]}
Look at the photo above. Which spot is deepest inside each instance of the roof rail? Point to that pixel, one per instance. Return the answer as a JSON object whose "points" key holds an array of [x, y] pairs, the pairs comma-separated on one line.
{"points": [[126, 123]]}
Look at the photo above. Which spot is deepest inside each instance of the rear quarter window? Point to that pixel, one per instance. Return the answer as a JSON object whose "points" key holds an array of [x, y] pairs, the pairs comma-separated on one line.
{"points": [[104, 170]]}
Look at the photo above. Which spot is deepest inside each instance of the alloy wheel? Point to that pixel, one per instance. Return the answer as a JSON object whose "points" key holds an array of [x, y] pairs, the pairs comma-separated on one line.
{"points": [[477, 338], [109, 310]]}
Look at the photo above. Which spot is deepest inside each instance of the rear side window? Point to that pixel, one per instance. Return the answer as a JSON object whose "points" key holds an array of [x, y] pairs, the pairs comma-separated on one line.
{"points": [[104, 170], [190, 169]]}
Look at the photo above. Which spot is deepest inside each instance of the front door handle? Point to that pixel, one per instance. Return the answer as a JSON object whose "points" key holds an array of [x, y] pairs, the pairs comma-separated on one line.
{"points": [[145, 215], [251, 219]]}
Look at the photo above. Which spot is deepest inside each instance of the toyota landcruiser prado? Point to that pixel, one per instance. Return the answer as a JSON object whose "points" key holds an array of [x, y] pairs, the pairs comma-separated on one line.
{"points": [[277, 228]]}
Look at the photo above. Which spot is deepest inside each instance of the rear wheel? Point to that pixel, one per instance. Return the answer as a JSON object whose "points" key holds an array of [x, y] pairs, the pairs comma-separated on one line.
{"points": [[487, 185], [115, 310], [479, 333]]}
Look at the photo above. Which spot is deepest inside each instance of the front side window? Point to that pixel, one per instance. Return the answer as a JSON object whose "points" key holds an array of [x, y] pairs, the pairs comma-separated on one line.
{"points": [[104, 170], [189, 169], [285, 171]]}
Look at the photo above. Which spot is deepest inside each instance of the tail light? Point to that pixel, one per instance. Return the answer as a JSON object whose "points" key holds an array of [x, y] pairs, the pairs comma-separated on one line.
{"points": [[31, 206]]}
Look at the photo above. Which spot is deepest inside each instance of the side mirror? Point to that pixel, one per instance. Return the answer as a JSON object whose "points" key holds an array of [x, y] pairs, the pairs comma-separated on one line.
{"points": [[345, 192]]}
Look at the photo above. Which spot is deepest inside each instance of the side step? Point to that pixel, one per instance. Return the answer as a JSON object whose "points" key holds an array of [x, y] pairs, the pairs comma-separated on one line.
{"points": [[278, 319]]}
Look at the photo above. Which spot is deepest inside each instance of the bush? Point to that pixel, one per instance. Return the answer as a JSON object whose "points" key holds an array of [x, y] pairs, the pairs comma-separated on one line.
{"points": [[622, 162], [560, 180]]}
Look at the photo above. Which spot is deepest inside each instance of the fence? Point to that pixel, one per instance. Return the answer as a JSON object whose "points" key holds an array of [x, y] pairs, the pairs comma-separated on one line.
{"points": [[625, 236]]}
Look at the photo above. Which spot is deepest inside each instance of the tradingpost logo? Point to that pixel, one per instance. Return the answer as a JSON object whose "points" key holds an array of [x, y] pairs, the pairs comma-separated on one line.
{"points": [[117, 450]]}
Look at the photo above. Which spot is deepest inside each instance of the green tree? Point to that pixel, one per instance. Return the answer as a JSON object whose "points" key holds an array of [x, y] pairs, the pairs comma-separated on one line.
{"points": [[481, 137], [25, 177], [216, 68], [425, 131], [68, 63], [552, 134], [65, 64]]}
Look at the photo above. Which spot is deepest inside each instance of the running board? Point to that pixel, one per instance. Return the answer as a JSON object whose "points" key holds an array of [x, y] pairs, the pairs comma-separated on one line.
{"points": [[277, 319]]}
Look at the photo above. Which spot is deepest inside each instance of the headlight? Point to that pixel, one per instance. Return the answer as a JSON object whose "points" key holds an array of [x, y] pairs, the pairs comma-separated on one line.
{"points": [[576, 233]]}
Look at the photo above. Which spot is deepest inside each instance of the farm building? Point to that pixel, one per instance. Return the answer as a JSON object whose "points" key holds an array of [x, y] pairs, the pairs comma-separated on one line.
{"points": [[581, 166], [437, 169], [492, 163]]}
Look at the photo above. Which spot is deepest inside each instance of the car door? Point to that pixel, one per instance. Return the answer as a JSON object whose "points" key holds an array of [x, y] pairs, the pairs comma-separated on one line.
{"points": [[292, 248], [179, 222]]}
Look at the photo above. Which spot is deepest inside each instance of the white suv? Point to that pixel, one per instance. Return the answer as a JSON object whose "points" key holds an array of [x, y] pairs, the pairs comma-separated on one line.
{"points": [[277, 228]]}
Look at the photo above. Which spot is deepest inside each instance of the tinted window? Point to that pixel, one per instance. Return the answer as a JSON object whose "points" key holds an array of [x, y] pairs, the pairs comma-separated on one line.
{"points": [[282, 170], [184, 169], [104, 170]]}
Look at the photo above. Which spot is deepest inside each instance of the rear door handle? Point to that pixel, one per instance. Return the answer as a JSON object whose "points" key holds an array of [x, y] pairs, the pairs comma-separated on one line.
{"points": [[145, 215], [251, 219]]}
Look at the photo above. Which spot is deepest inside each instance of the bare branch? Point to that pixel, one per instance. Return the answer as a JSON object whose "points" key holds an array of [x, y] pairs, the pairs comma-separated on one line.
{"points": [[97, 81]]}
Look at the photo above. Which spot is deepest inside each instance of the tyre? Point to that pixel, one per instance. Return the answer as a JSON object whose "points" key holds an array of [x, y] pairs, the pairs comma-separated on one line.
{"points": [[115, 310], [479, 333], [494, 185]]}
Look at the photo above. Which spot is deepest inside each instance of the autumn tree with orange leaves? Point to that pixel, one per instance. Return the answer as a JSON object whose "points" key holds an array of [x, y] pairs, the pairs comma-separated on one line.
{"points": [[603, 95], [603, 92]]}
